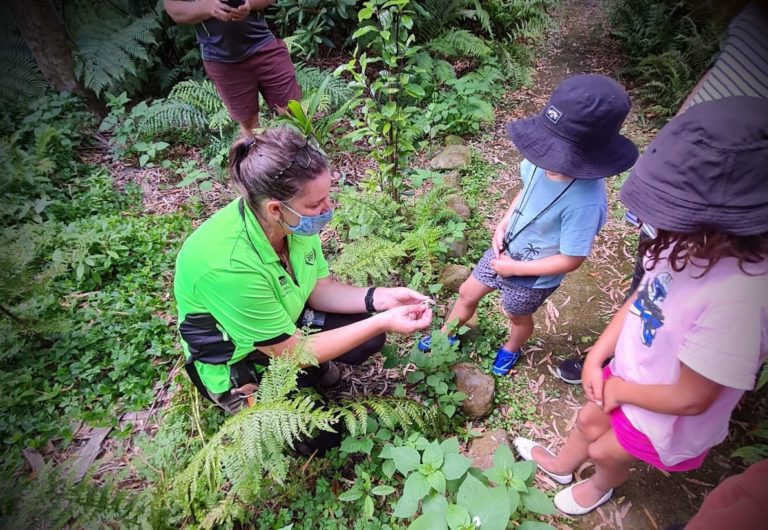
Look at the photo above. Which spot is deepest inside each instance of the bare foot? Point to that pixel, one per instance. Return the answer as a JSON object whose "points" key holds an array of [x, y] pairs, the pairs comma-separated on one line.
{"points": [[586, 494]]}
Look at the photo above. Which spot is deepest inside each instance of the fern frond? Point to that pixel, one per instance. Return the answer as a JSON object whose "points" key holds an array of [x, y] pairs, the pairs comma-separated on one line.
{"points": [[21, 79], [368, 260], [457, 43], [107, 48], [311, 79]]}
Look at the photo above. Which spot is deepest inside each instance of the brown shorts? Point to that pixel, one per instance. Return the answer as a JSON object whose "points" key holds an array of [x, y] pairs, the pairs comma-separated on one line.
{"points": [[269, 72]]}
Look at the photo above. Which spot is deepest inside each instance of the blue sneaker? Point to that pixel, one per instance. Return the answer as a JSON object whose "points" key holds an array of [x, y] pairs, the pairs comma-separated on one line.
{"points": [[425, 343], [504, 361]]}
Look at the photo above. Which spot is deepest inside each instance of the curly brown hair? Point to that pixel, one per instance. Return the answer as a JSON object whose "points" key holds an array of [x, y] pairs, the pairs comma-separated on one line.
{"points": [[703, 249]]}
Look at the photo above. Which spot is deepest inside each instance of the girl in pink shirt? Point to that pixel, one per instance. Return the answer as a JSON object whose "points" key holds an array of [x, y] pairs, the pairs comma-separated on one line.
{"points": [[690, 341]]}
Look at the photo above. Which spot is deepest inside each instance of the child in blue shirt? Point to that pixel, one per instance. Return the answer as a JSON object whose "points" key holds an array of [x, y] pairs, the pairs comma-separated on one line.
{"points": [[569, 149]]}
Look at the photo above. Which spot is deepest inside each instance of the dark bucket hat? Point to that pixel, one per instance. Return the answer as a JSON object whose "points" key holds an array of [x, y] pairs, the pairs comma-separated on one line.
{"points": [[577, 133], [706, 167]]}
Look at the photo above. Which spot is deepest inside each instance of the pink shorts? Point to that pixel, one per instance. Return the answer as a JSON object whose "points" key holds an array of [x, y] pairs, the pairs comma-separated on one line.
{"points": [[638, 445], [268, 71]]}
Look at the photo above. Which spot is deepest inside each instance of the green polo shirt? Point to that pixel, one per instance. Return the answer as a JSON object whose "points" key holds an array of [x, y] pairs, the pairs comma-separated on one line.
{"points": [[233, 293]]}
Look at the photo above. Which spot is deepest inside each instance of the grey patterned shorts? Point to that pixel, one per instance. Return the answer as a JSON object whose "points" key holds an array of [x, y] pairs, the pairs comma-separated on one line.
{"points": [[517, 300]]}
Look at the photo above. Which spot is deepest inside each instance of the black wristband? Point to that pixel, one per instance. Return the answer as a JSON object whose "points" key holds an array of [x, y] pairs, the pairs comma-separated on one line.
{"points": [[369, 300]]}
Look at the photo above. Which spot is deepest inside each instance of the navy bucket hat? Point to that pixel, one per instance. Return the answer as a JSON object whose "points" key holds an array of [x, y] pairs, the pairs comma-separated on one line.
{"points": [[707, 167], [577, 133]]}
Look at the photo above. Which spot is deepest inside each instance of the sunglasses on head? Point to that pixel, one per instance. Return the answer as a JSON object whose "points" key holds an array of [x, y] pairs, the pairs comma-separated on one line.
{"points": [[302, 156]]}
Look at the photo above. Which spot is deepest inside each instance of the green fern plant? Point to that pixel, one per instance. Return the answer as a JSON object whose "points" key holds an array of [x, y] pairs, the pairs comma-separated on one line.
{"points": [[108, 49], [369, 260], [457, 43], [21, 79]]}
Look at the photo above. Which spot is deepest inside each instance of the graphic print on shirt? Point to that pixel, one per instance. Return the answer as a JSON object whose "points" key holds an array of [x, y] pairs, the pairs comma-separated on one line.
{"points": [[647, 305]]}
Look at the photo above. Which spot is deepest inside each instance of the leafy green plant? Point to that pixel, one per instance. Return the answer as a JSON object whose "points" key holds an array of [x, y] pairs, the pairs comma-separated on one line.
{"points": [[363, 492], [388, 115], [314, 23], [757, 451], [432, 376], [452, 494], [670, 45]]}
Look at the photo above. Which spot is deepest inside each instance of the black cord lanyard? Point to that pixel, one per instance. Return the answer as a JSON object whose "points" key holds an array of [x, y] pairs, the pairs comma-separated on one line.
{"points": [[241, 208], [526, 196]]}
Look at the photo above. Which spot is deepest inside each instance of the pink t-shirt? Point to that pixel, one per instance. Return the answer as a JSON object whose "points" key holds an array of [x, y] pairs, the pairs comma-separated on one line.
{"points": [[716, 325]]}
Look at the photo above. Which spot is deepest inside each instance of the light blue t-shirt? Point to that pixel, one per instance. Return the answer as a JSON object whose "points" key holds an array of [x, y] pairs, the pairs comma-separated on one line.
{"points": [[568, 227]]}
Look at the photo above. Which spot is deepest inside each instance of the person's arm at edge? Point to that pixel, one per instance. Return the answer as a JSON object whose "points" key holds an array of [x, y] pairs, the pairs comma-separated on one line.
{"points": [[335, 297], [691, 395], [194, 12], [557, 264]]}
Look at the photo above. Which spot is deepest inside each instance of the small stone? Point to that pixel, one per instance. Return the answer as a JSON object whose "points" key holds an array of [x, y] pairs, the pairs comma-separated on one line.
{"points": [[452, 139], [452, 180], [481, 449], [479, 388], [457, 204], [452, 157], [458, 248], [453, 276]]}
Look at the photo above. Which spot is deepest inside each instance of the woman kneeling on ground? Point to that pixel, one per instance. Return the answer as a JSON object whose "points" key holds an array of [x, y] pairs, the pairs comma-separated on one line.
{"points": [[254, 273]]}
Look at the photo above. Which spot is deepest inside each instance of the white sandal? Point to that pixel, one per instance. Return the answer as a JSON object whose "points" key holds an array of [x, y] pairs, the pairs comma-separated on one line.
{"points": [[565, 502], [525, 447]]}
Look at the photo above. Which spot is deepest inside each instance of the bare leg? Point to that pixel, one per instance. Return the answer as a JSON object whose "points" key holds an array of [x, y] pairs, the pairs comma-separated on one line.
{"points": [[520, 331], [591, 424], [470, 294], [612, 464], [248, 125]]}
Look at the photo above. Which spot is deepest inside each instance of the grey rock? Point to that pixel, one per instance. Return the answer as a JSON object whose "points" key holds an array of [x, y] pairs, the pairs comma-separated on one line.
{"points": [[452, 157], [452, 139], [456, 203], [452, 180], [458, 248], [481, 449], [479, 388], [453, 276]]}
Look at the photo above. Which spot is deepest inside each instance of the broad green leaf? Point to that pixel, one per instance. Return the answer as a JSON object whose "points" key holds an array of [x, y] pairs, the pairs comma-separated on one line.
{"points": [[388, 468], [535, 525], [390, 109], [437, 481], [433, 380], [514, 499], [524, 470], [368, 507], [429, 521], [416, 485], [414, 377], [537, 502], [433, 455], [434, 503], [206, 185], [382, 489], [469, 490], [503, 457], [455, 465], [490, 509], [364, 14], [351, 494], [363, 31], [518, 484], [457, 516], [406, 459], [450, 445], [415, 90], [448, 410], [495, 475]]}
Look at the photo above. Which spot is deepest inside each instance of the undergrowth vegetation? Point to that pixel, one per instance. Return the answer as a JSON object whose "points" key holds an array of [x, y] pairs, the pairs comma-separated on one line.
{"points": [[88, 326]]}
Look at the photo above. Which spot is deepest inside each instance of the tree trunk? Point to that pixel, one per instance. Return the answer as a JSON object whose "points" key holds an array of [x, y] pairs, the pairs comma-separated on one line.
{"points": [[43, 32]]}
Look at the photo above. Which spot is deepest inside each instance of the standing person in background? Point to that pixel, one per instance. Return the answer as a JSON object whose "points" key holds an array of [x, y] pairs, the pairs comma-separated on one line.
{"points": [[240, 55]]}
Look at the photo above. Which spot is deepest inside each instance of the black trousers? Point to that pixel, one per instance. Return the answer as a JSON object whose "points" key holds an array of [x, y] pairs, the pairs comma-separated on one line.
{"points": [[249, 370]]}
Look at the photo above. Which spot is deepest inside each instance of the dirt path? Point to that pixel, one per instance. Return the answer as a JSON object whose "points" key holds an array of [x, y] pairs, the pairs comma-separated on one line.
{"points": [[580, 308]]}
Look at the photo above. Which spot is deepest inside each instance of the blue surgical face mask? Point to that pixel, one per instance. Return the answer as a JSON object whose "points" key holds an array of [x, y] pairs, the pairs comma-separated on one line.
{"points": [[309, 225]]}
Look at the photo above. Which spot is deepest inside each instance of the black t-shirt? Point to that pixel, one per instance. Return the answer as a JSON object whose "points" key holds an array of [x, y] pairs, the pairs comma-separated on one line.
{"points": [[232, 42]]}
